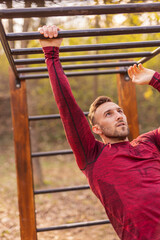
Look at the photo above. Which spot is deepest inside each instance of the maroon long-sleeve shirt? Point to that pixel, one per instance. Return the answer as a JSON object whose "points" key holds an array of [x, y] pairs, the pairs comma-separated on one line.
{"points": [[125, 176]]}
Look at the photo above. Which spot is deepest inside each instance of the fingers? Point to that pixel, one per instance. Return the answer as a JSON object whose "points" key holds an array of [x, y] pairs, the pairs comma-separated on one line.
{"points": [[49, 31], [130, 72], [141, 67], [136, 70], [133, 70]]}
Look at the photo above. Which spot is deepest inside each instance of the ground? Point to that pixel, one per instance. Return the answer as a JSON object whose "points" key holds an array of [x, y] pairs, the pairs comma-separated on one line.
{"points": [[52, 209]]}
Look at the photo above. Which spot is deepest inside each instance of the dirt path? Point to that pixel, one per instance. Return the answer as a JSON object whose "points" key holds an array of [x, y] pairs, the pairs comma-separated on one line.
{"points": [[52, 209]]}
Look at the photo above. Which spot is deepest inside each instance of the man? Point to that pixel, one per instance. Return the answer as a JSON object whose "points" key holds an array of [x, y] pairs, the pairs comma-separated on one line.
{"points": [[124, 175]]}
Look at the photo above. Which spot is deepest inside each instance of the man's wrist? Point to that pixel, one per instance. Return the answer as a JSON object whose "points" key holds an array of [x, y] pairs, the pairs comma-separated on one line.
{"points": [[154, 76], [155, 81]]}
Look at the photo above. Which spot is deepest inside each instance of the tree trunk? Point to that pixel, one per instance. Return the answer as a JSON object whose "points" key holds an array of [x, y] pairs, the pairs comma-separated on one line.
{"points": [[43, 19]]}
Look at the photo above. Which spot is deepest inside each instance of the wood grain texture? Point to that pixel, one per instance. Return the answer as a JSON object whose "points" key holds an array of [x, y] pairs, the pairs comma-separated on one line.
{"points": [[23, 159], [128, 102]]}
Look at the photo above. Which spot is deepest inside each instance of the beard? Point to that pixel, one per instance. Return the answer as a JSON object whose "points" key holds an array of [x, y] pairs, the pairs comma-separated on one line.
{"points": [[119, 133]]}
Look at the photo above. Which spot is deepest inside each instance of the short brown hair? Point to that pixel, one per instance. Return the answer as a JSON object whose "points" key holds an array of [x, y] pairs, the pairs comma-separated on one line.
{"points": [[100, 100]]}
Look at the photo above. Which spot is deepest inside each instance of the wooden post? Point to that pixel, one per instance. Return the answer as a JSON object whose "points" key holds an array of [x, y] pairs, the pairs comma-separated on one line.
{"points": [[128, 102], [23, 159]]}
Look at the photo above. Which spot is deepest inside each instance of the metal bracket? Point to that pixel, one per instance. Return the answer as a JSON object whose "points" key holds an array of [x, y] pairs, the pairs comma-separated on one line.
{"points": [[18, 83], [126, 76]]}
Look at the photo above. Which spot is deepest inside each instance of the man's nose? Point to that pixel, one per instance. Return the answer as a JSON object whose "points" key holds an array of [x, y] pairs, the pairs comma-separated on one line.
{"points": [[118, 116]]}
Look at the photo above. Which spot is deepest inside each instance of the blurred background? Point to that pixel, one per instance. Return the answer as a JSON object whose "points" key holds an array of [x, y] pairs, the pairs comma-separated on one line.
{"points": [[49, 135]]}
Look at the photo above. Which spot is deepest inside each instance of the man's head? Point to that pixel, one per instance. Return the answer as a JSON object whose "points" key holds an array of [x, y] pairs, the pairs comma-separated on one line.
{"points": [[108, 120]]}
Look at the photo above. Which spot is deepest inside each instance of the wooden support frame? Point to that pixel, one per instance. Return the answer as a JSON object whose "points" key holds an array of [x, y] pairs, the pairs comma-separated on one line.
{"points": [[126, 91], [23, 159], [127, 100]]}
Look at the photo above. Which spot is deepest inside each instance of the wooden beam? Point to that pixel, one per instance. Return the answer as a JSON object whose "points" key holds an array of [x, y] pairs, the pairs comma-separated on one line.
{"points": [[128, 102], [23, 159]]}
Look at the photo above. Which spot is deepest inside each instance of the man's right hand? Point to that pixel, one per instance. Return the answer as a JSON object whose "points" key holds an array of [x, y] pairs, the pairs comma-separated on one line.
{"points": [[50, 32], [140, 75]]}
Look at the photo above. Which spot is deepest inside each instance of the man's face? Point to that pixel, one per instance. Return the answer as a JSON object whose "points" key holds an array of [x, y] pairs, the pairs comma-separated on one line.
{"points": [[111, 120]]}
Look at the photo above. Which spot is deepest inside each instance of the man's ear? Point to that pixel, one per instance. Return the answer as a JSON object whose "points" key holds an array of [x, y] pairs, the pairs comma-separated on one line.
{"points": [[96, 129]]}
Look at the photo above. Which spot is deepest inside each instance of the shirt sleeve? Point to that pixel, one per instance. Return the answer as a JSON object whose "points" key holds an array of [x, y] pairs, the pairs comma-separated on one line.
{"points": [[157, 137], [155, 81], [152, 136], [85, 147]]}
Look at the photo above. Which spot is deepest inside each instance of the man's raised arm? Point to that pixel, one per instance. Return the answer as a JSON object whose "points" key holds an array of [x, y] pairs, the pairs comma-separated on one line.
{"points": [[142, 76], [77, 129]]}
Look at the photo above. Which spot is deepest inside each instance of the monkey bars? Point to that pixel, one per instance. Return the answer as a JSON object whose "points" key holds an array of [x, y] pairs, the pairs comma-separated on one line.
{"points": [[21, 120], [81, 10]]}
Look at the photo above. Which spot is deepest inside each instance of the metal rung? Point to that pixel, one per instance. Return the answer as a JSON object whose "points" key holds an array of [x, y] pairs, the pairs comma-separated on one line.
{"points": [[66, 189], [52, 153], [86, 33], [74, 225], [78, 66], [86, 57], [75, 74], [79, 10], [154, 53], [51, 116], [90, 47]]}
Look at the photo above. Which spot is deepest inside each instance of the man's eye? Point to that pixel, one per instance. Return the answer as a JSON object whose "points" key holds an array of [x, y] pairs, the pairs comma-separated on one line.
{"points": [[108, 114], [120, 110]]}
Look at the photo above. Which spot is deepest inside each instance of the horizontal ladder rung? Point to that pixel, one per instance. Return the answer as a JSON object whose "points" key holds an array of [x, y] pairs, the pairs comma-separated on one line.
{"points": [[91, 47], [45, 117], [86, 57], [51, 153], [74, 74], [74, 225], [78, 66], [65, 189], [86, 32], [79, 10]]}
